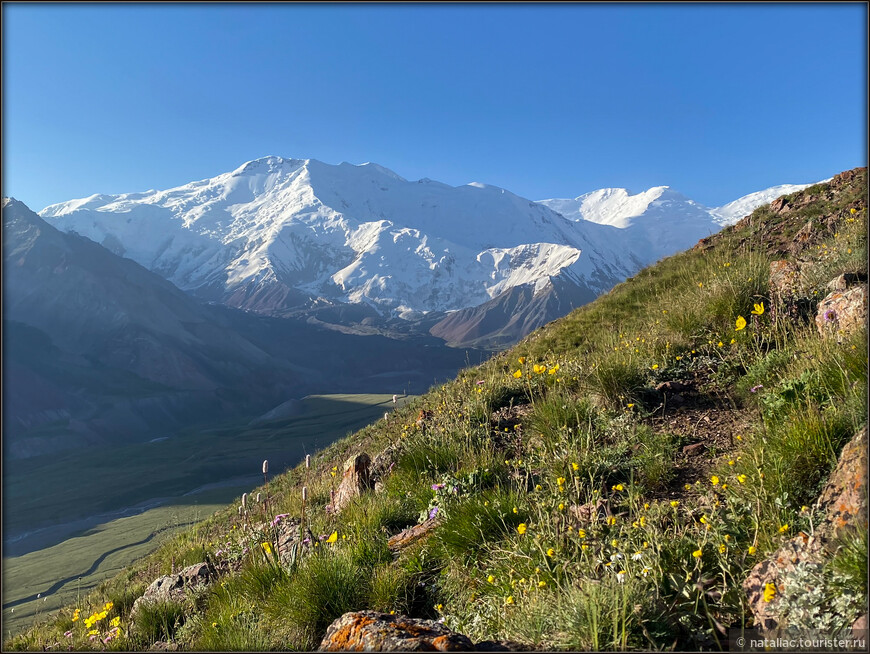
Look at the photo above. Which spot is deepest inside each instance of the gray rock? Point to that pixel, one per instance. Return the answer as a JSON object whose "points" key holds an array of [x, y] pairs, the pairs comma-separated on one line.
{"points": [[174, 588]]}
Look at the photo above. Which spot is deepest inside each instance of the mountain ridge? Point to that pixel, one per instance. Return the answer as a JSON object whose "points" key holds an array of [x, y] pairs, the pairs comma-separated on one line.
{"points": [[282, 236]]}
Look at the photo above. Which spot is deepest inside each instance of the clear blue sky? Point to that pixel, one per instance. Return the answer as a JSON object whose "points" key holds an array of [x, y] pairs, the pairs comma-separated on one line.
{"points": [[715, 101]]}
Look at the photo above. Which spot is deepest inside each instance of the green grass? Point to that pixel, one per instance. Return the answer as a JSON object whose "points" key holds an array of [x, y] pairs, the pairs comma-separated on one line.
{"points": [[568, 516]]}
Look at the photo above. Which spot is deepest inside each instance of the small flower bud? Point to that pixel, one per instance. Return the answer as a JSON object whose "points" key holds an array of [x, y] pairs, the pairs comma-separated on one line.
{"points": [[265, 466], [244, 500], [307, 460], [258, 498], [304, 493]]}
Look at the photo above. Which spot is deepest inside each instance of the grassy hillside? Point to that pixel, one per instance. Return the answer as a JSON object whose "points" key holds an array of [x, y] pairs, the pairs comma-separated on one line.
{"points": [[573, 511]]}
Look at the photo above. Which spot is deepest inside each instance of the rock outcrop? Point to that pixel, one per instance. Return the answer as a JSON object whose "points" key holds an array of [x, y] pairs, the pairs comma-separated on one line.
{"points": [[842, 312], [355, 481], [844, 505], [370, 631], [176, 587]]}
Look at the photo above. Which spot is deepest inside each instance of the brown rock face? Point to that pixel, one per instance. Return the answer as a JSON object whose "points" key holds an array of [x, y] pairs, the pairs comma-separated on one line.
{"points": [[355, 481], [844, 501], [370, 631], [842, 312]]}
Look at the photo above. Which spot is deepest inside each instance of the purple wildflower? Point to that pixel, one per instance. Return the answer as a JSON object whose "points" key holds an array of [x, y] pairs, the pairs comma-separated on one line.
{"points": [[830, 315], [755, 389], [437, 487], [278, 518], [433, 512], [306, 541], [480, 382], [68, 634]]}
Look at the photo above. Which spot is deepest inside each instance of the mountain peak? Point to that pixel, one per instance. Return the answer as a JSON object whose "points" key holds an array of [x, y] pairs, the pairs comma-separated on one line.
{"points": [[269, 163]]}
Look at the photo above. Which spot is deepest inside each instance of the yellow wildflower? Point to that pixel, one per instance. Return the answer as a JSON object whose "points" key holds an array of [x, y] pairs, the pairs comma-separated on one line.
{"points": [[783, 528], [109, 606], [714, 480], [560, 480], [769, 592], [509, 600], [522, 360], [551, 552], [490, 578], [575, 466], [675, 503], [741, 323], [741, 479], [655, 366], [542, 583], [521, 529], [114, 622], [518, 374], [581, 533], [267, 548], [758, 309], [752, 549], [698, 553], [332, 537]]}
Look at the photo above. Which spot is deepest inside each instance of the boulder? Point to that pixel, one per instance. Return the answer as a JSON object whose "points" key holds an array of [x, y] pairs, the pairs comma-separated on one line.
{"points": [[370, 631], [174, 588], [355, 481], [844, 504], [844, 498], [842, 312]]}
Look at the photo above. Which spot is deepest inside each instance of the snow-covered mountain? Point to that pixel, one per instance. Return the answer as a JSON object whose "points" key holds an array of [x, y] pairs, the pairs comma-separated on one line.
{"points": [[300, 237], [730, 213], [277, 234], [660, 222]]}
